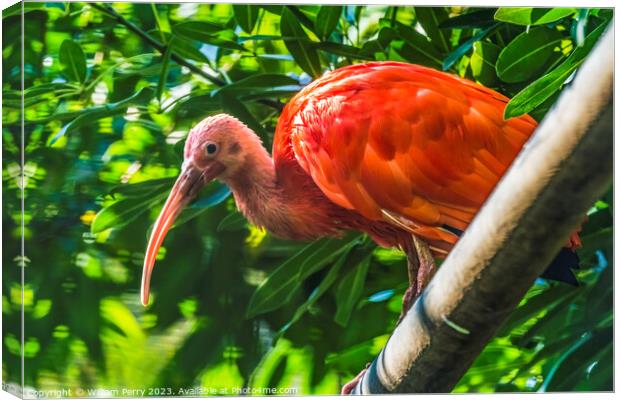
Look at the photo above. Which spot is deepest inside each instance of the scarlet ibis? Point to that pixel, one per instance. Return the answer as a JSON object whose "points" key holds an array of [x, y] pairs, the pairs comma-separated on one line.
{"points": [[404, 153]]}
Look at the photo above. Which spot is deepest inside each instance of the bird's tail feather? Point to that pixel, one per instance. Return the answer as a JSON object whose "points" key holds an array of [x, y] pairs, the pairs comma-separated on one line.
{"points": [[561, 268]]}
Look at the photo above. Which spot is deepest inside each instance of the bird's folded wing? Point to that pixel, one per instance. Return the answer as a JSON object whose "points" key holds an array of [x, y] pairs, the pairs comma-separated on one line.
{"points": [[422, 146]]}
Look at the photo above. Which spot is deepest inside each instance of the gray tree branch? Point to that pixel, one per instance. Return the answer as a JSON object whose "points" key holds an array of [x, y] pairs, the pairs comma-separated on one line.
{"points": [[564, 168]]}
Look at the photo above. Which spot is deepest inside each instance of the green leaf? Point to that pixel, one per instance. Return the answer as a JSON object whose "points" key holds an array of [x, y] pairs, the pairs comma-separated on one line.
{"points": [[571, 367], [38, 94], [235, 221], [598, 376], [325, 284], [163, 76], [122, 212], [327, 20], [88, 116], [483, 61], [532, 16], [256, 81], [210, 196], [206, 32], [275, 9], [543, 88], [276, 93], [551, 349], [73, 60], [301, 15], [142, 189], [430, 18], [46, 88], [384, 38], [526, 54], [552, 320], [186, 49], [226, 41], [246, 16], [302, 50], [537, 92], [283, 282], [543, 108], [278, 57], [417, 47], [387, 34], [464, 48], [266, 38], [342, 50], [591, 242], [578, 28], [16, 9], [545, 300], [475, 19], [350, 290], [196, 30], [197, 103], [371, 47]]}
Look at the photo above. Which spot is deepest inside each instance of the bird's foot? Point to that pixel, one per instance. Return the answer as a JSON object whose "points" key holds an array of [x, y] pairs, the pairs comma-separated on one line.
{"points": [[349, 386]]}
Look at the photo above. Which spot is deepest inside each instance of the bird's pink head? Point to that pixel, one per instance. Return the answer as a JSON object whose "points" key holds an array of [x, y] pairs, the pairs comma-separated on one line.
{"points": [[215, 149]]}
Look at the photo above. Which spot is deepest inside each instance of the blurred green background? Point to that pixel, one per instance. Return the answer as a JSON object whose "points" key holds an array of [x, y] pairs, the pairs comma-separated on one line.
{"points": [[111, 92]]}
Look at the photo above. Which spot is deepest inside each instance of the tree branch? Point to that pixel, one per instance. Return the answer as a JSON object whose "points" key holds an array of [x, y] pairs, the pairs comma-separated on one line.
{"points": [[106, 9], [155, 44], [564, 168]]}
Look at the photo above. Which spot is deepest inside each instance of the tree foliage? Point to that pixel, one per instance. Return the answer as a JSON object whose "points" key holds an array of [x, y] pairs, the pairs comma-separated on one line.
{"points": [[111, 90]]}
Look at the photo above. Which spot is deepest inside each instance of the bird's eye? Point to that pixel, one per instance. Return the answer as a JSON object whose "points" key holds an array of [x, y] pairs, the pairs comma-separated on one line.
{"points": [[211, 148]]}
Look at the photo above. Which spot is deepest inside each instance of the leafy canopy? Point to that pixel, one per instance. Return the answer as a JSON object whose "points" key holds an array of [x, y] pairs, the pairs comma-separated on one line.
{"points": [[111, 91]]}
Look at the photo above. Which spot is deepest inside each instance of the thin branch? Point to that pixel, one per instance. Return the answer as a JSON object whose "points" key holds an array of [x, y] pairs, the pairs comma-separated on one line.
{"points": [[106, 9], [155, 44], [563, 169]]}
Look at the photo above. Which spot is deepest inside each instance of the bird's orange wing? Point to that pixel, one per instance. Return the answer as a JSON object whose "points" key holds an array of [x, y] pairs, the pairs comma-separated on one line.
{"points": [[402, 143]]}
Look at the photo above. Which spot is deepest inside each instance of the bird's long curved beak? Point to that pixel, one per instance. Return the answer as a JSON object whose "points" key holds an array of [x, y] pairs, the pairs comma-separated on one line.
{"points": [[185, 189]]}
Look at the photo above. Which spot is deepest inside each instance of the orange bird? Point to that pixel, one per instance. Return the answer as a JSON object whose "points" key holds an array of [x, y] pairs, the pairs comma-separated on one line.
{"points": [[404, 153]]}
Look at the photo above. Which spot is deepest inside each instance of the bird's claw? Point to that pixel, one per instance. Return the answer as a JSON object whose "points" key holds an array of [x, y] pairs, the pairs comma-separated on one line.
{"points": [[348, 388]]}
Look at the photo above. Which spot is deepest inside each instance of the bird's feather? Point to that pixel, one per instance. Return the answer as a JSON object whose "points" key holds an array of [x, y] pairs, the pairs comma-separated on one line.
{"points": [[419, 144]]}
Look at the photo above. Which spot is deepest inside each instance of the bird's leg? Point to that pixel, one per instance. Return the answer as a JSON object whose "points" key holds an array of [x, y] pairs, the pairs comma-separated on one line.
{"points": [[426, 261], [413, 265], [420, 268]]}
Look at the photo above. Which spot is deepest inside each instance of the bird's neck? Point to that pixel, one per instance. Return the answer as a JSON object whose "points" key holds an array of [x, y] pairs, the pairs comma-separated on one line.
{"points": [[285, 201], [257, 191]]}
